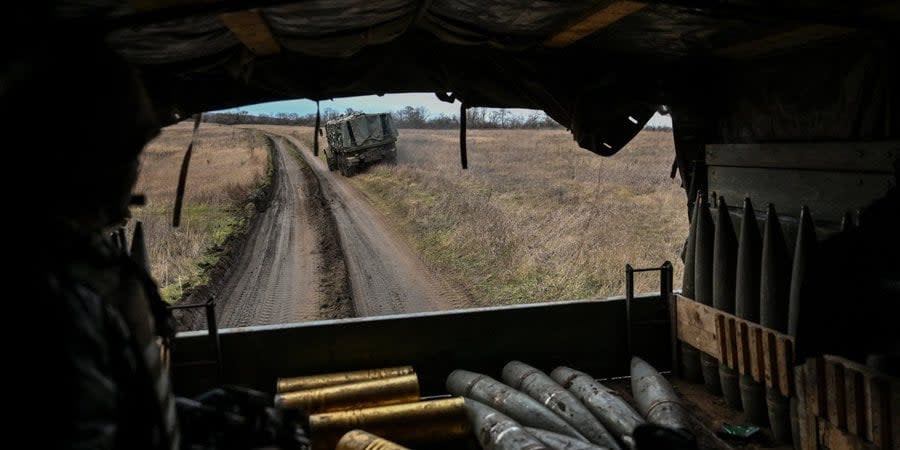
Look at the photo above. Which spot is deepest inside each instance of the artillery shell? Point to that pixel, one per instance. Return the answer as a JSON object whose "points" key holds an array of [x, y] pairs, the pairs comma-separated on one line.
{"points": [[779, 408], [749, 259], [388, 391], [775, 277], [723, 287], [361, 440], [496, 431], [703, 286], [803, 251], [407, 423], [753, 400], [558, 441], [774, 296], [606, 404], [332, 379], [746, 306], [690, 357], [655, 398]]}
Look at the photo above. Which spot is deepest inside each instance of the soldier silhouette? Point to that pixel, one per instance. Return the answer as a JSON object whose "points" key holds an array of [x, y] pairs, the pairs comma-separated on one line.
{"points": [[99, 372]]}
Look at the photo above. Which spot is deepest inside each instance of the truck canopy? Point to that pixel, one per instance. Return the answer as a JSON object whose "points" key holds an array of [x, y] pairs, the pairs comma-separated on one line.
{"points": [[360, 130], [601, 69]]}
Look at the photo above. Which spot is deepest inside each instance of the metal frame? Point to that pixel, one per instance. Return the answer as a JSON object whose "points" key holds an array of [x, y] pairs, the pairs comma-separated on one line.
{"points": [[665, 291], [212, 333]]}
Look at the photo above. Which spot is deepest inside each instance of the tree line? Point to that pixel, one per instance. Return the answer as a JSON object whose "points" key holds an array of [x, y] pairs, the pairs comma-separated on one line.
{"points": [[407, 117]]}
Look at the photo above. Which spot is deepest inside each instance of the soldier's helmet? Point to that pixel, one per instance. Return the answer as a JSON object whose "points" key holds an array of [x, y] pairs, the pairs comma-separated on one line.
{"points": [[83, 117]]}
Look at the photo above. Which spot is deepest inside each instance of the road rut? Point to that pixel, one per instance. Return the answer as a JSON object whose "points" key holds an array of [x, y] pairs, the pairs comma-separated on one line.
{"points": [[386, 275], [275, 278]]}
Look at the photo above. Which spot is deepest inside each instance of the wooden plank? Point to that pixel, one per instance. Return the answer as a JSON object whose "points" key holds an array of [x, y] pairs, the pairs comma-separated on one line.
{"points": [[742, 336], [783, 39], [834, 386], [835, 439], [771, 360], [878, 412], [815, 387], [757, 364], [697, 325], [764, 354], [877, 422], [827, 194], [784, 358], [731, 342], [673, 329], [251, 29], [602, 17], [830, 156], [805, 420], [855, 397], [722, 333]]}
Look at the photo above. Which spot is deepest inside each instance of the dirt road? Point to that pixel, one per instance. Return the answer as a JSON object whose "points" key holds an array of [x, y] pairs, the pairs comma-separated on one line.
{"points": [[280, 274], [319, 244], [386, 276]]}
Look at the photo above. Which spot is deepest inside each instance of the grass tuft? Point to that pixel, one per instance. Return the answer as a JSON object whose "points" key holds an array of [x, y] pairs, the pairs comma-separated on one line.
{"points": [[229, 170]]}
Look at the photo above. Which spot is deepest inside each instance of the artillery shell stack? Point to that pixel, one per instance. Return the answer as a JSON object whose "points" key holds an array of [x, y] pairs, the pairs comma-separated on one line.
{"points": [[543, 389], [518, 406]]}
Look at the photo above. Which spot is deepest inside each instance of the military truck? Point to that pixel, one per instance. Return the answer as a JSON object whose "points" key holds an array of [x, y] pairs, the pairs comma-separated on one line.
{"points": [[791, 103], [357, 140]]}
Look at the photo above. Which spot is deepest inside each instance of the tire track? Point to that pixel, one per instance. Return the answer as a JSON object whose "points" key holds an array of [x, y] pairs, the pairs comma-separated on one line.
{"points": [[386, 276], [277, 276]]}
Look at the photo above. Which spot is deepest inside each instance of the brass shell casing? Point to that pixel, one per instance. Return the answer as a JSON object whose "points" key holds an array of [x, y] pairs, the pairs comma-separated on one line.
{"points": [[361, 440], [407, 423], [362, 394], [333, 379]]}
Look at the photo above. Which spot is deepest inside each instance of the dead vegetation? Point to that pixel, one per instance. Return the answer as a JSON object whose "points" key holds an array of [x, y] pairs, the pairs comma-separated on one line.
{"points": [[535, 217], [227, 167]]}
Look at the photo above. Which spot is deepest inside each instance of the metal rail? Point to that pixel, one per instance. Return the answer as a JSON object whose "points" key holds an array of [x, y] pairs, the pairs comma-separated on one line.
{"points": [[665, 291], [213, 333]]}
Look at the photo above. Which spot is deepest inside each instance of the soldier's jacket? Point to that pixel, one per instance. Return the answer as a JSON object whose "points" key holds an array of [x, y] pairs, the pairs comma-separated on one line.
{"points": [[110, 389]]}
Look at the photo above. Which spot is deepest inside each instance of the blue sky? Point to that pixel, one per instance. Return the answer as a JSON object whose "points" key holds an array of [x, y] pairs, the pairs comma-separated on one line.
{"points": [[388, 102]]}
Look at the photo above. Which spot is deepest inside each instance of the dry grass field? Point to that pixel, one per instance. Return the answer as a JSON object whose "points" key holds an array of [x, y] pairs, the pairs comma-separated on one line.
{"points": [[227, 166], [535, 217]]}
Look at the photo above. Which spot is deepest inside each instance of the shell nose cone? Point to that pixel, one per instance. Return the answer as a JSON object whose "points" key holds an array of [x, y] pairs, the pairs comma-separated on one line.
{"points": [[640, 368], [563, 375], [459, 381], [514, 373]]}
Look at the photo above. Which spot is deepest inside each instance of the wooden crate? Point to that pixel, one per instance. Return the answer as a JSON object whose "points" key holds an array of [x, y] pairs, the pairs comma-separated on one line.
{"points": [[845, 405], [841, 404], [749, 348]]}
